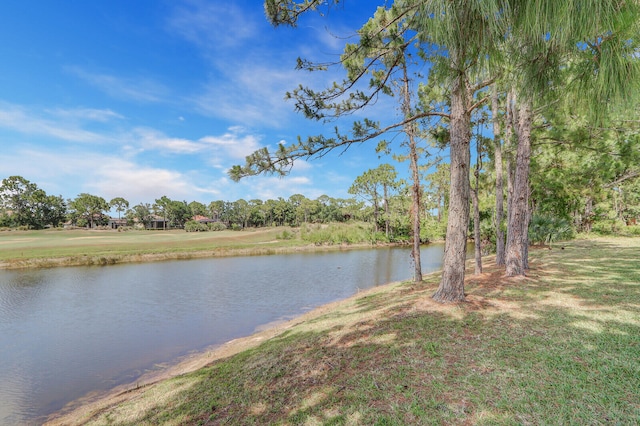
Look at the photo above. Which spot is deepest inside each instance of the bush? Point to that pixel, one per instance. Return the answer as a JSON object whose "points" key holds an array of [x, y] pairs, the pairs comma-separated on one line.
{"points": [[286, 235], [432, 230], [609, 227], [546, 230], [193, 226], [217, 226], [341, 233]]}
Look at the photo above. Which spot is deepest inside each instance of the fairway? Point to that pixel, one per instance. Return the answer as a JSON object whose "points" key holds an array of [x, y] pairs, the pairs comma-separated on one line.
{"points": [[81, 246]]}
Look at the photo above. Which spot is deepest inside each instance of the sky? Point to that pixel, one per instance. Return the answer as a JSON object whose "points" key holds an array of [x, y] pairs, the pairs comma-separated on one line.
{"points": [[150, 98]]}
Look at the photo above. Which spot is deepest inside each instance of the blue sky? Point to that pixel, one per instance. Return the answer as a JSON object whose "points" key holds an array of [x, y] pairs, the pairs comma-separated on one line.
{"points": [[140, 99]]}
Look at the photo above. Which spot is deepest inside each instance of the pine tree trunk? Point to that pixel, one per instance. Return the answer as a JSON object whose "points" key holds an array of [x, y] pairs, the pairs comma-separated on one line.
{"points": [[476, 231], [386, 211], [518, 225], [508, 138], [410, 130], [451, 287], [415, 211], [499, 179], [476, 213], [526, 230], [375, 213]]}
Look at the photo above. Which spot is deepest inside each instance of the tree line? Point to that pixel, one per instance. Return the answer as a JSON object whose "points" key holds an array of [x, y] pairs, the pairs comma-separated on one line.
{"points": [[379, 197]]}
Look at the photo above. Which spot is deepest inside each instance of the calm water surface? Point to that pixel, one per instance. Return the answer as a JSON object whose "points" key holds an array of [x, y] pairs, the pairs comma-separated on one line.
{"points": [[65, 332]]}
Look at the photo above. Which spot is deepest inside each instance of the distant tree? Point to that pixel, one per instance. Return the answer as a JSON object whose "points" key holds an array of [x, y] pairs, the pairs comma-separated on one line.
{"points": [[178, 213], [198, 209], [22, 203], [257, 215], [217, 210], [374, 186], [298, 203], [160, 207], [89, 208], [120, 204], [47, 210], [141, 213]]}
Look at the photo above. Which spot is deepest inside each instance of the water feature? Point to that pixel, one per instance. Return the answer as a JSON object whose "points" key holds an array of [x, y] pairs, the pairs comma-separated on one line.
{"points": [[67, 331]]}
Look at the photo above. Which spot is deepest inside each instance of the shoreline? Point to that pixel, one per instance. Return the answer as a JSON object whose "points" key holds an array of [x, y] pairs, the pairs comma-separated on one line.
{"points": [[263, 250], [84, 409]]}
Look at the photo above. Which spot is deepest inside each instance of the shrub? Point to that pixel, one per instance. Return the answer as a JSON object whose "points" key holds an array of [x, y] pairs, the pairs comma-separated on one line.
{"points": [[546, 230], [341, 233], [193, 226], [286, 235], [217, 226], [432, 230]]}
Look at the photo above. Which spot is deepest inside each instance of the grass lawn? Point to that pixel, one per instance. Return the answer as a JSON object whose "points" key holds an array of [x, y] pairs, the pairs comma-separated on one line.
{"points": [[81, 247], [561, 346]]}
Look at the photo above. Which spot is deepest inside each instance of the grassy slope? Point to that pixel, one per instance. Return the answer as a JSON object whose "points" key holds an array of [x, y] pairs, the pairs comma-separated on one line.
{"points": [[561, 346]]}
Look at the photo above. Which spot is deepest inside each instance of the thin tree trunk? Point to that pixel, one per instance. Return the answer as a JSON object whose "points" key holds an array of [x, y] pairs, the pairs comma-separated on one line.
{"points": [[415, 213], [518, 217], [410, 130], [588, 213], [508, 137], [526, 230], [375, 212], [499, 179], [476, 212], [386, 211], [451, 287]]}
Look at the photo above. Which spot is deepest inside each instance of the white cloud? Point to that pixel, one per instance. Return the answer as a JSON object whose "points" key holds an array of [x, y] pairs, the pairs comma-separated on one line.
{"points": [[89, 114], [139, 89], [118, 178], [29, 122], [272, 187], [108, 176], [212, 25], [150, 139], [233, 144]]}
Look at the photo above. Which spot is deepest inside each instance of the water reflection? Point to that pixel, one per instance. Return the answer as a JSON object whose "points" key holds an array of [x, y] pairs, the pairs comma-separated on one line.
{"points": [[65, 332]]}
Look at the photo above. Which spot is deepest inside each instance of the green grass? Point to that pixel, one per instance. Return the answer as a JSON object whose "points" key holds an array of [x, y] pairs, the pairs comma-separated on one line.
{"points": [[77, 247], [47, 248], [560, 347]]}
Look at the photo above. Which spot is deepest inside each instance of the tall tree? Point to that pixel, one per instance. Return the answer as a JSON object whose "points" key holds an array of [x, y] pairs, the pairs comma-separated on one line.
{"points": [[120, 204], [162, 206], [595, 42]]}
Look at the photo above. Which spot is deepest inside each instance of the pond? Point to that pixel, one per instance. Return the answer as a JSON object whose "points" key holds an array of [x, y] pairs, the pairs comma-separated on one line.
{"points": [[65, 332]]}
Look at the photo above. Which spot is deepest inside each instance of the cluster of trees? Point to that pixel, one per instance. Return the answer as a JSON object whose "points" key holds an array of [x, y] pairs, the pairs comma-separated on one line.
{"points": [[22, 203], [379, 197], [538, 69]]}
